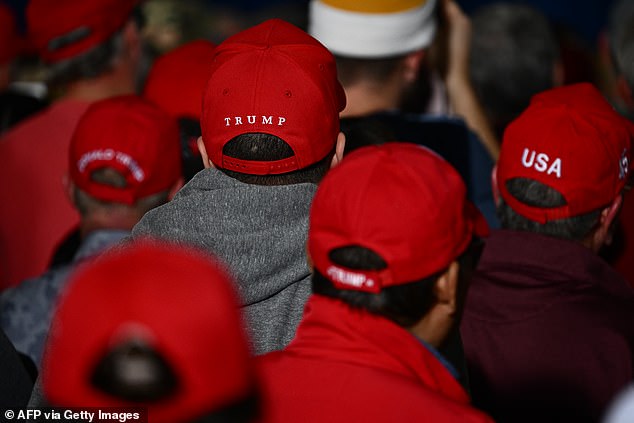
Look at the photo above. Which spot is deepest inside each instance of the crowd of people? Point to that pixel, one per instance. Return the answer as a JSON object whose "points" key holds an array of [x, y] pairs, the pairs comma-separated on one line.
{"points": [[395, 212]]}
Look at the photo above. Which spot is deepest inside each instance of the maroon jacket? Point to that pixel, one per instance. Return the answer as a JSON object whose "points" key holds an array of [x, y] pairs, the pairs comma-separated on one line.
{"points": [[548, 330], [347, 365]]}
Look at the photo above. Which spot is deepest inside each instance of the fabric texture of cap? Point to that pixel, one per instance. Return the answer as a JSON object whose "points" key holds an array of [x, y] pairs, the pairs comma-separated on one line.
{"points": [[178, 78], [373, 28], [61, 29], [400, 200], [178, 301], [132, 136], [10, 41], [570, 139], [276, 79]]}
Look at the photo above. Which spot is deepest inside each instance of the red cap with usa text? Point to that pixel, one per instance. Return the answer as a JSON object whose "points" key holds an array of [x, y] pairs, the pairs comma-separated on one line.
{"points": [[400, 200], [276, 79], [571, 140], [133, 137]]}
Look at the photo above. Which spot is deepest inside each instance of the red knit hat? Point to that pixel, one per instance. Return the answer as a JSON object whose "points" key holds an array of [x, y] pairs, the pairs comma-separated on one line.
{"points": [[573, 141], [275, 79], [61, 29], [179, 302], [132, 136], [401, 201], [177, 79]]}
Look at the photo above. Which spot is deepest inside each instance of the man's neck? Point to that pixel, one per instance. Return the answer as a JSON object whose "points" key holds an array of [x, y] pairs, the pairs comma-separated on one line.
{"points": [[122, 220], [366, 98]]}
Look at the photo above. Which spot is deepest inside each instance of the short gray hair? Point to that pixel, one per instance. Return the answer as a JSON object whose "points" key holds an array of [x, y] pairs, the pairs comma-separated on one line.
{"points": [[87, 204], [536, 194]]}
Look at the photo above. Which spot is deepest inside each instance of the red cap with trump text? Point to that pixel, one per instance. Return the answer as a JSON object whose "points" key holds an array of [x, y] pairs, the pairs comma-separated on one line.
{"points": [[275, 79]]}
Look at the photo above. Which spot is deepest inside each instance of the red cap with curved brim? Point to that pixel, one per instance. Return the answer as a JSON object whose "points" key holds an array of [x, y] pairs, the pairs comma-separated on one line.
{"points": [[178, 301], [400, 200], [61, 29], [132, 136], [178, 78], [572, 140], [276, 79]]}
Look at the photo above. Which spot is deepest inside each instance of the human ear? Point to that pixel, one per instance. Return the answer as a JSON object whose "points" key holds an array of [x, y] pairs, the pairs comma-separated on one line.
{"points": [[339, 148], [203, 153]]}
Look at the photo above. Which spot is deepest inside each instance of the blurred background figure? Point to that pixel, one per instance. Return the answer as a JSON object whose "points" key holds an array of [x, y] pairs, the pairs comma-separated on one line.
{"points": [[154, 326], [18, 99], [576, 26], [92, 51], [169, 24], [124, 160], [616, 51], [383, 51], [9, 43], [514, 55], [617, 58], [181, 96]]}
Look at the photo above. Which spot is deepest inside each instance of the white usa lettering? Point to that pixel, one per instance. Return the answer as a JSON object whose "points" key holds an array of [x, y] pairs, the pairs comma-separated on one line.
{"points": [[541, 162]]}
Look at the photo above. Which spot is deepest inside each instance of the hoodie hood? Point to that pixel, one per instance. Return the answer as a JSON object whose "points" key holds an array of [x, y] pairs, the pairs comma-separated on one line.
{"points": [[259, 232]]}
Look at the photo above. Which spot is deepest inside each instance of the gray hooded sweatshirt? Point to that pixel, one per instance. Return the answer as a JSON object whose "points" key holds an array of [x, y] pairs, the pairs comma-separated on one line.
{"points": [[259, 232]]}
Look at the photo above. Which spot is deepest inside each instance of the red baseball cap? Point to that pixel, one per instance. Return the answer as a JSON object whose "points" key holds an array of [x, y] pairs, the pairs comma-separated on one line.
{"points": [[61, 29], [179, 301], [401, 201], [177, 79], [570, 139], [276, 79], [133, 136]]}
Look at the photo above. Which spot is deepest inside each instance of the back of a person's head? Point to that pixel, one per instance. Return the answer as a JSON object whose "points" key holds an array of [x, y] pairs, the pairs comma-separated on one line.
{"points": [[514, 55], [181, 96], [78, 40], [271, 107], [621, 38], [374, 29], [376, 249], [563, 160], [160, 333], [370, 39], [124, 153]]}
